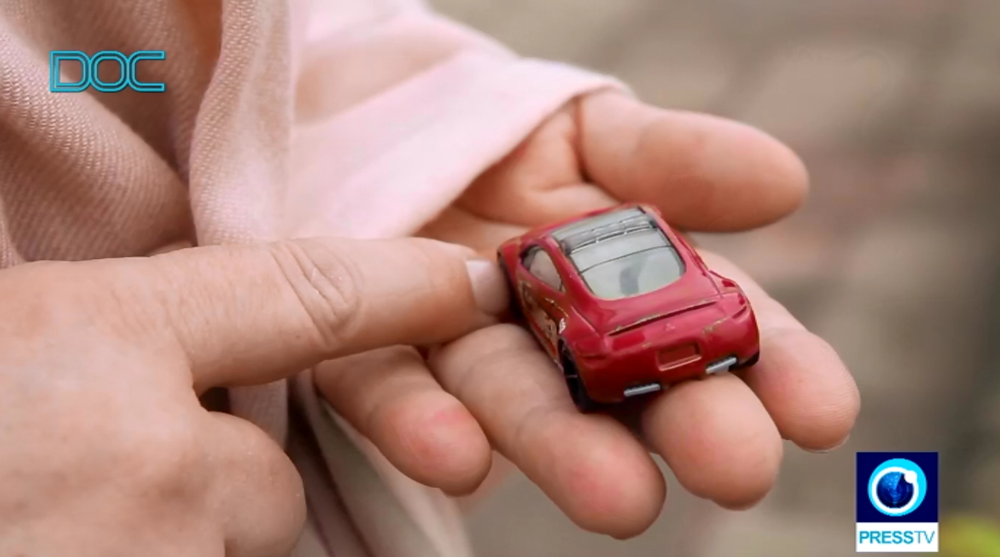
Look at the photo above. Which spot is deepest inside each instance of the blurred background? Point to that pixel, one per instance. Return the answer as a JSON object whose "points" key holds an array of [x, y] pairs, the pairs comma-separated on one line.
{"points": [[895, 107]]}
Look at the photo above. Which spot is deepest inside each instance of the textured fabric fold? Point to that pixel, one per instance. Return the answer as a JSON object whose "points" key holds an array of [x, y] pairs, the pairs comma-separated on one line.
{"points": [[475, 110]]}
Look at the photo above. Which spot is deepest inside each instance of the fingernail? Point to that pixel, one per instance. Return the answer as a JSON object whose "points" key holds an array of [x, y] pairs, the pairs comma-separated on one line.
{"points": [[489, 286]]}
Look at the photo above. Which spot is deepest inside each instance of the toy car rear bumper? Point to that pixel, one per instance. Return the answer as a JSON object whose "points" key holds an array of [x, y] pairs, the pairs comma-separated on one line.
{"points": [[715, 347]]}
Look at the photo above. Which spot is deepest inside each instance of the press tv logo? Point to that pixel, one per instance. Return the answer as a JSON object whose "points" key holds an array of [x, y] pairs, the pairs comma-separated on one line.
{"points": [[897, 503], [90, 76]]}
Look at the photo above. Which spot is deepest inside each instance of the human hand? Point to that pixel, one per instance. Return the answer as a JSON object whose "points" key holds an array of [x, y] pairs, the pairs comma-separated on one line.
{"points": [[106, 448], [721, 437]]}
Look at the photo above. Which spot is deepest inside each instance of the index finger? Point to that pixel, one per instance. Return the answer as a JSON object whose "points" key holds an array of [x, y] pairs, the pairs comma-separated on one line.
{"points": [[253, 314]]}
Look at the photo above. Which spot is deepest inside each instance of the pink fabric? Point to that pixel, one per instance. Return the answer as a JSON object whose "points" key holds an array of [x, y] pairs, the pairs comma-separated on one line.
{"points": [[360, 118]]}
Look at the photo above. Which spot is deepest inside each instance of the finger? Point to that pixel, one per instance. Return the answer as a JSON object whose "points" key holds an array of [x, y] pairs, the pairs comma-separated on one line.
{"points": [[243, 315], [589, 465], [257, 492], [704, 173], [801, 380], [500, 470], [390, 397], [539, 182], [717, 438]]}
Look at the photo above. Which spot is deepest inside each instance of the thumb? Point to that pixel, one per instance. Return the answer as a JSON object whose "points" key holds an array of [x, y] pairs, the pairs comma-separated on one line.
{"points": [[252, 314], [703, 172]]}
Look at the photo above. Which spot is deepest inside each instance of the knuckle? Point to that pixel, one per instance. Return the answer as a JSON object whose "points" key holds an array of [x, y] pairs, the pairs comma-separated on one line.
{"points": [[45, 298], [249, 461], [156, 454], [166, 457], [327, 286], [40, 284], [261, 462]]}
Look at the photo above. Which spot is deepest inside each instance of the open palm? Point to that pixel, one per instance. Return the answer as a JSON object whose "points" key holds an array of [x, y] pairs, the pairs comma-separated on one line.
{"points": [[439, 419]]}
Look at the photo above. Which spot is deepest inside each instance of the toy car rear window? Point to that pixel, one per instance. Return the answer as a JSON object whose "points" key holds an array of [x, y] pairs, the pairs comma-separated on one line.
{"points": [[586, 230], [621, 254]]}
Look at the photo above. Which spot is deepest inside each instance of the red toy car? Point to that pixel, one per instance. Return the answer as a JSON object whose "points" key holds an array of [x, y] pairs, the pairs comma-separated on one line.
{"points": [[625, 306]]}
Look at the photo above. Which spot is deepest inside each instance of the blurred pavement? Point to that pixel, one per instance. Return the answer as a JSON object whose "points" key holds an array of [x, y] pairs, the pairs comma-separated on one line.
{"points": [[895, 107]]}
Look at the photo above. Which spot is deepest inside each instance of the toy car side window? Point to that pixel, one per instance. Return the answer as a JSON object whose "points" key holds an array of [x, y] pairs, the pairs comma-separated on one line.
{"points": [[539, 263]]}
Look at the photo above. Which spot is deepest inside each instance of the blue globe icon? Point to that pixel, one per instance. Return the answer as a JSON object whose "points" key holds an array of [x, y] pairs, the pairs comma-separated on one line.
{"points": [[894, 491], [897, 487]]}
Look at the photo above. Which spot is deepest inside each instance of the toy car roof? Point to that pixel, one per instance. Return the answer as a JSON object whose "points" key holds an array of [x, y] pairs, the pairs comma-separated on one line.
{"points": [[587, 232]]}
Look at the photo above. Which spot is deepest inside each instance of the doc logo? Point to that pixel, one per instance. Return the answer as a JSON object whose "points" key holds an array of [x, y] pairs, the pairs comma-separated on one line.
{"points": [[897, 502], [90, 75]]}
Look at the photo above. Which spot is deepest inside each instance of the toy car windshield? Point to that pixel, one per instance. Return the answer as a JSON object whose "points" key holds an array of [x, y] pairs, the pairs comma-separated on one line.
{"points": [[621, 254]]}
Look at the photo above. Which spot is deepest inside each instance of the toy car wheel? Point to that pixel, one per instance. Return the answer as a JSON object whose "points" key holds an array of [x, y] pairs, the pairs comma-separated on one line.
{"points": [[515, 307], [574, 382], [751, 362]]}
